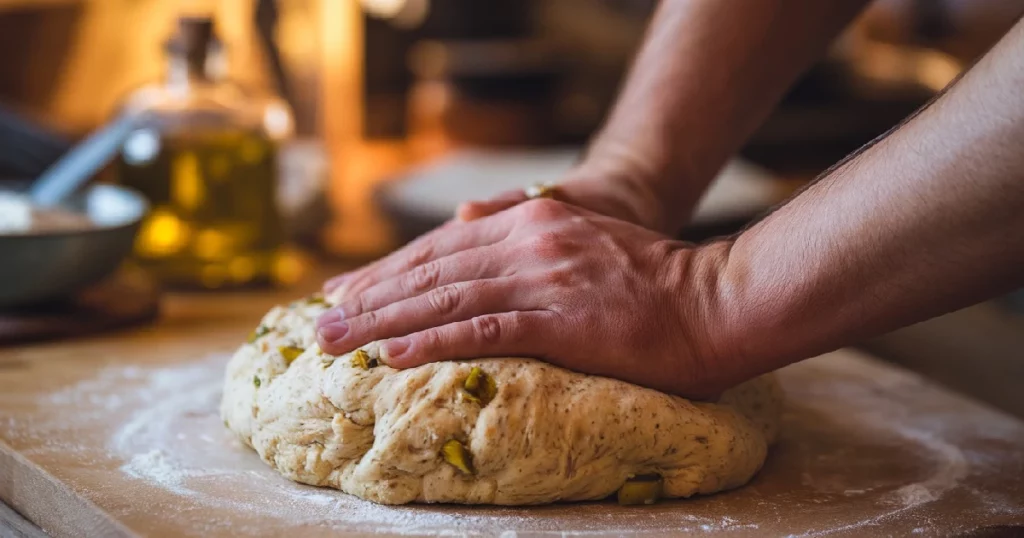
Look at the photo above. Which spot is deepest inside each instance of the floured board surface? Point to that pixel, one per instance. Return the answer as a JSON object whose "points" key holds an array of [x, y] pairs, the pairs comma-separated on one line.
{"points": [[122, 436]]}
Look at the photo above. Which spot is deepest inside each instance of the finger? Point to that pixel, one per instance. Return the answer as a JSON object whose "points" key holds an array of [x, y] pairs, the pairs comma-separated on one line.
{"points": [[506, 334], [449, 239], [468, 265], [447, 304], [334, 282], [479, 209], [337, 281]]}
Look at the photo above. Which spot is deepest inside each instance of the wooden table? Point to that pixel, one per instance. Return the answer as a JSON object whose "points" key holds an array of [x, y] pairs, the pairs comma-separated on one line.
{"points": [[119, 436]]}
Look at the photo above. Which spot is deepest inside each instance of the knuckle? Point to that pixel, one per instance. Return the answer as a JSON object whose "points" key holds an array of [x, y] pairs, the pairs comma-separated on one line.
{"points": [[373, 320], [488, 329], [369, 319], [445, 300], [361, 303], [354, 306], [561, 276], [422, 277], [431, 340], [351, 307], [421, 253], [548, 244]]}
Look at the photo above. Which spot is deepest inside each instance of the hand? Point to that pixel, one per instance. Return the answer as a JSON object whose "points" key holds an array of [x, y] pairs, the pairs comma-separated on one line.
{"points": [[609, 186], [543, 279]]}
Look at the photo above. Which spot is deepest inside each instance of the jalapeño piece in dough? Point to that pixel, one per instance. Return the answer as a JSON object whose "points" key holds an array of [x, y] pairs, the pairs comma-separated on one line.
{"points": [[290, 353], [643, 489], [458, 456], [256, 381], [316, 298], [480, 387], [256, 334], [362, 359]]}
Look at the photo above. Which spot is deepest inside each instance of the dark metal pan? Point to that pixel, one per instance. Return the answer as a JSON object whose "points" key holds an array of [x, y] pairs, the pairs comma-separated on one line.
{"points": [[42, 266]]}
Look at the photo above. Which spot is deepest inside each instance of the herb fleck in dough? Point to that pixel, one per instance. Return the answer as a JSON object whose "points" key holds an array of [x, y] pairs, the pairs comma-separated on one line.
{"points": [[489, 431]]}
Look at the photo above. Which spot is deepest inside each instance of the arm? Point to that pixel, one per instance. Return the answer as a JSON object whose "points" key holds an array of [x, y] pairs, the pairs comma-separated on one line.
{"points": [[707, 75], [928, 220]]}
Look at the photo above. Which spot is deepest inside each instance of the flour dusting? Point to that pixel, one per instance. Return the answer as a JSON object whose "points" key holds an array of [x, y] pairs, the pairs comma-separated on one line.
{"points": [[177, 466], [175, 440]]}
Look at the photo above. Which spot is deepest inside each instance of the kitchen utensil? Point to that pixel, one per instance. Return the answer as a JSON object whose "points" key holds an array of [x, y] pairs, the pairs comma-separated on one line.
{"points": [[79, 165]]}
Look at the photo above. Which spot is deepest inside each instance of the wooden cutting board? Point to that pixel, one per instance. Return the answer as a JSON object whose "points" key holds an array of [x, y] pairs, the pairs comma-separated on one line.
{"points": [[121, 436]]}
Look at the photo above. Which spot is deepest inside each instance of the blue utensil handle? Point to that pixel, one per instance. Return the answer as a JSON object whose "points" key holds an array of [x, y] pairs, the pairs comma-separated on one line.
{"points": [[75, 168]]}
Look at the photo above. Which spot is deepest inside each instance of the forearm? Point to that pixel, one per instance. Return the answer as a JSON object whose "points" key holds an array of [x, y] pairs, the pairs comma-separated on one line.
{"points": [[928, 220], [707, 75]]}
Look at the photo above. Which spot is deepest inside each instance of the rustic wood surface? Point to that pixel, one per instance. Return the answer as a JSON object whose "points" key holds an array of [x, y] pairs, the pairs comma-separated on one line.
{"points": [[13, 525], [120, 435]]}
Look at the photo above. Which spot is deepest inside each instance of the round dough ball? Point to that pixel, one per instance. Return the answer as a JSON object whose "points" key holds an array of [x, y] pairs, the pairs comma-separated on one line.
{"points": [[547, 435]]}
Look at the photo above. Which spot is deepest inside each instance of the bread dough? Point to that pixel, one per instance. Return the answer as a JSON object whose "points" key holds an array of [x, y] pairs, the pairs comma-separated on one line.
{"points": [[548, 434]]}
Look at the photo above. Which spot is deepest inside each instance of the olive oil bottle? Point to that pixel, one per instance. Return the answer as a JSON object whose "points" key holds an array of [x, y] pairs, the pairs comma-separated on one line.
{"points": [[205, 156]]}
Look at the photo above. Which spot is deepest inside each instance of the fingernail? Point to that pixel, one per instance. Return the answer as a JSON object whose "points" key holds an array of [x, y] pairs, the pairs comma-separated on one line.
{"points": [[334, 331], [393, 348], [333, 315]]}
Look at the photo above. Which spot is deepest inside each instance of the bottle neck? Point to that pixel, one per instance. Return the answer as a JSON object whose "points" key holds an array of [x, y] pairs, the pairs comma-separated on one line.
{"points": [[184, 71]]}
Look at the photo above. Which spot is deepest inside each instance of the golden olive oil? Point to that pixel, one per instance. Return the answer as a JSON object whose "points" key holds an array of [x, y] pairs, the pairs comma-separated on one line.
{"points": [[206, 159], [214, 220]]}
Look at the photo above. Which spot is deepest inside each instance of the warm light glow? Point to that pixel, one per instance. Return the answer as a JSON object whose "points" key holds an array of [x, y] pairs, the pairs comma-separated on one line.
{"points": [[242, 269], [938, 70], [162, 233], [187, 181], [288, 267], [212, 244], [889, 63]]}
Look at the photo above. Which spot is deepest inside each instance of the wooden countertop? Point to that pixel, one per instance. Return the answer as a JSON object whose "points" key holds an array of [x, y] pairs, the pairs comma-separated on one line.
{"points": [[119, 435]]}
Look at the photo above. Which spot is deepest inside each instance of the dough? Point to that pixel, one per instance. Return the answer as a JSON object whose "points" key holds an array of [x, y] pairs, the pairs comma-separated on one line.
{"points": [[547, 435]]}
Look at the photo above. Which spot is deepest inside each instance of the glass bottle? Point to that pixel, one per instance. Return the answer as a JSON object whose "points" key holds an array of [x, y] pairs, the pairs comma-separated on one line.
{"points": [[205, 155]]}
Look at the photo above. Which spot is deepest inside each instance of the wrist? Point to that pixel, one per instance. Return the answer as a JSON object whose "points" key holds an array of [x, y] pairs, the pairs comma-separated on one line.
{"points": [[768, 315], [632, 177], [747, 323], [616, 191], [715, 358], [662, 184]]}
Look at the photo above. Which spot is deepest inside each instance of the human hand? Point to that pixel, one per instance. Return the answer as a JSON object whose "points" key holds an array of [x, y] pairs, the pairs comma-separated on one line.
{"points": [[543, 279], [608, 186]]}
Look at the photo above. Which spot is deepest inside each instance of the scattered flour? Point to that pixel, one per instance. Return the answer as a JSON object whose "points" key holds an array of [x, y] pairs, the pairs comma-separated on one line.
{"points": [[160, 427], [174, 440]]}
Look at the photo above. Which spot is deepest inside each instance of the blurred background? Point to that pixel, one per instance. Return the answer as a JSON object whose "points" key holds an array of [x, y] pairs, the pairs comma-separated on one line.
{"points": [[382, 86], [282, 133]]}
